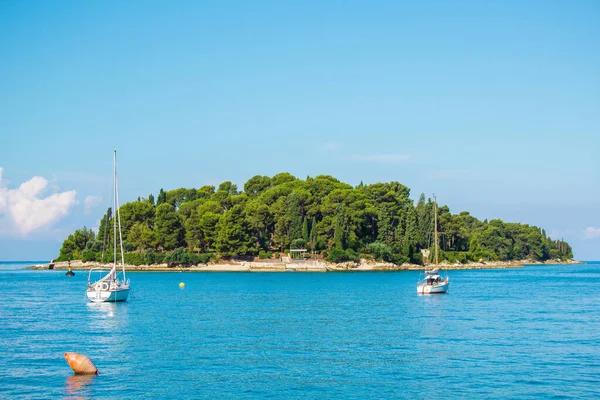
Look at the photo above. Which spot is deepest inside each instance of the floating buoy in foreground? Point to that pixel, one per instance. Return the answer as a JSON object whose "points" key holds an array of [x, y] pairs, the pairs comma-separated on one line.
{"points": [[81, 364], [182, 285]]}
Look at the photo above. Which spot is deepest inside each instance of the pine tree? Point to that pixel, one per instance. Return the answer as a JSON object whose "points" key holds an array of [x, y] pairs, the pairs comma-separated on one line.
{"points": [[151, 199], [169, 227]]}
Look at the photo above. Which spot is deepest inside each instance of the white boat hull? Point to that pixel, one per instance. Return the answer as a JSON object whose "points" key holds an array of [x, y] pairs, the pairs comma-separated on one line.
{"points": [[101, 296], [436, 288]]}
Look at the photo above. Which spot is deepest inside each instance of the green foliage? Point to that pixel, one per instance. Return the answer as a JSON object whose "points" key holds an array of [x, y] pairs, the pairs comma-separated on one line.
{"points": [[264, 254], [135, 212], [141, 237], [169, 227], [340, 236], [297, 244], [305, 231], [162, 197], [90, 255], [332, 218], [228, 187], [178, 197], [338, 255], [150, 258], [134, 258], [75, 244], [453, 257], [380, 251], [313, 234], [233, 238], [295, 216], [256, 185], [103, 237], [352, 255]]}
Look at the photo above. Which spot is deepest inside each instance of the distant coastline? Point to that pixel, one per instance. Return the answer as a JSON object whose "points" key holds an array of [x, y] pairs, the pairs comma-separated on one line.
{"points": [[310, 266]]}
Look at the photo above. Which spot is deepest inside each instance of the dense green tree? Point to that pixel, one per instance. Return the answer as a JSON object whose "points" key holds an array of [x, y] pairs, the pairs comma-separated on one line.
{"points": [[328, 215], [169, 227], [313, 234], [260, 222], [205, 192], [135, 212], [194, 236], [385, 226], [340, 236], [68, 250], [75, 244], [208, 227], [142, 237], [233, 238], [190, 207], [103, 237], [295, 216], [305, 231], [409, 242], [256, 185], [162, 197], [282, 178], [228, 187], [424, 213], [180, 196]]}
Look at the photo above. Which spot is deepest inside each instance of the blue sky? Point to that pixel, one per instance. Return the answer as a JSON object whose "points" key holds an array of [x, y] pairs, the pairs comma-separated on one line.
{"points": [[493, 106]]}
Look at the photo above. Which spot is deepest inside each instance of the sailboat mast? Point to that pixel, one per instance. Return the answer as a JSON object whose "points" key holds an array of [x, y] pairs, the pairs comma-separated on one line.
{"points": [[436, 230], [120, 232], [115, 213]]}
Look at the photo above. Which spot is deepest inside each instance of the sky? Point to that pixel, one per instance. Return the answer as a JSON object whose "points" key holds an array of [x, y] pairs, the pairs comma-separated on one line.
{"points": [[493, 106]]}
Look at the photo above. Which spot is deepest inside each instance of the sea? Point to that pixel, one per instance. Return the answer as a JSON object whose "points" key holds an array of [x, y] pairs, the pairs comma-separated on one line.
{"points": [[528, 333]]}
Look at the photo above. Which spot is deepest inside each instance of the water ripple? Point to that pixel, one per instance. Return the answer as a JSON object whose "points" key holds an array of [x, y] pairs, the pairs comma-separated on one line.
{"points": [[299, 336]]}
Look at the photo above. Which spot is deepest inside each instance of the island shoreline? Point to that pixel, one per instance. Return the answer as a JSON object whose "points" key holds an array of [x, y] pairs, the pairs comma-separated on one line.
{"points": [[310, 266]]}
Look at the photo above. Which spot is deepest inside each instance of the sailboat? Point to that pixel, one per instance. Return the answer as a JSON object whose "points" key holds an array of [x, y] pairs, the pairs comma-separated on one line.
{"points": [[432, 282], [111, 288]]}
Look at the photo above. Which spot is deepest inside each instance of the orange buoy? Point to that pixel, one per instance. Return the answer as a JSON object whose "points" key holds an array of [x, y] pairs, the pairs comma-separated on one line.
{"points": [[81, 364]]}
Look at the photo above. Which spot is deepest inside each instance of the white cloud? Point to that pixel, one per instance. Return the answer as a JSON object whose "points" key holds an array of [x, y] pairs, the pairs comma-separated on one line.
{"points": [[383, 158], [591, 233], [24, 210], [90, 202]]}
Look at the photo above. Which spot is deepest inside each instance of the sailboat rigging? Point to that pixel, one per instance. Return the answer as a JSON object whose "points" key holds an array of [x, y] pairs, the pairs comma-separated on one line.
{"points": [[110, 288], [432, 282]]}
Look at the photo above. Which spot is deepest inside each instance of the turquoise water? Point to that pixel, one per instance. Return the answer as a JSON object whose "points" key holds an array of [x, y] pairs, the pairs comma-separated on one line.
{"points": [[513, 333]]}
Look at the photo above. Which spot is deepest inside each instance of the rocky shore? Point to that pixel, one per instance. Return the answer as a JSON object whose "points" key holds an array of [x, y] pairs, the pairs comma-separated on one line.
{"points": [[307, 266]]}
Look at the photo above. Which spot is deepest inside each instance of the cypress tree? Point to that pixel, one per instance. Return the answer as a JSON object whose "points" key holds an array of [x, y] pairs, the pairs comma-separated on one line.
{"points": [[305, 232], [340, 234], [162, 198], [313, 234], [295, 215]]}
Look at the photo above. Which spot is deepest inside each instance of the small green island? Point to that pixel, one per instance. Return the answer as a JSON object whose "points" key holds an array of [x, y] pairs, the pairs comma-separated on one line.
{"points": [[320, 220]]}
